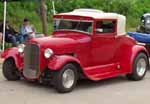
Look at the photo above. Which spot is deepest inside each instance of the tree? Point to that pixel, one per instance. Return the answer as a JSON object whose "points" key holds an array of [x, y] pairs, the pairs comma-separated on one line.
{"points": [[43, 15]]}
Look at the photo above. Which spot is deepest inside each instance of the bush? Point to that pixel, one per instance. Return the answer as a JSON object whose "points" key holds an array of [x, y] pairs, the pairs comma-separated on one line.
{"points": [[133, 9]]}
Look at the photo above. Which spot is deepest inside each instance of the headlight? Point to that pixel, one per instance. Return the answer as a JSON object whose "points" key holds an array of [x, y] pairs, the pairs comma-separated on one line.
{"points": [[21, 48], [48, 53]]}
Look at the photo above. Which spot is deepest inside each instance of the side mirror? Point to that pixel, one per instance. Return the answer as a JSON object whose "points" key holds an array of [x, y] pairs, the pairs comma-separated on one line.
{"points": [[100, 30]]}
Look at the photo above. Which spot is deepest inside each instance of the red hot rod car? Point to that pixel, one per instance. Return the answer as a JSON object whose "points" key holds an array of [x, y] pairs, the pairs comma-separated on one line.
{"points": [[85, 42]]}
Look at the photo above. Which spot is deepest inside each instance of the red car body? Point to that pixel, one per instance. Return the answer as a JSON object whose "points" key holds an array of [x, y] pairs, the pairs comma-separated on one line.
{"points": [[116, 53], [97, 56]]}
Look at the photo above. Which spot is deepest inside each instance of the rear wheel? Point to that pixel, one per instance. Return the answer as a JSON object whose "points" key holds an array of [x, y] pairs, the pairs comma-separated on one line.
{"points": [[139, 68], [10, 71], [65, 80]]}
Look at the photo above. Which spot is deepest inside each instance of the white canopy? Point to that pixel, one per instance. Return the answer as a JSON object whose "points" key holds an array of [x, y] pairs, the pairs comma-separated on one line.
{"points": [[98, 14]]}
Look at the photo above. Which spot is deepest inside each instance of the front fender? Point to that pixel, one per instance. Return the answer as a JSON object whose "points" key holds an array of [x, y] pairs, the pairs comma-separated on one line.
{"points": [[13, 53], [57, 62]]}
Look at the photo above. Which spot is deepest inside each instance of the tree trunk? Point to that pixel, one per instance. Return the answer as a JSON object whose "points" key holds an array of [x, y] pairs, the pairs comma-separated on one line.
{"points": [[43, 15]]}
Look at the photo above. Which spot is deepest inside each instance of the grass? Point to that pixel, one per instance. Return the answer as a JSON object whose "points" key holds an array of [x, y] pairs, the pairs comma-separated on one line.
{"points": [[16, 12]]}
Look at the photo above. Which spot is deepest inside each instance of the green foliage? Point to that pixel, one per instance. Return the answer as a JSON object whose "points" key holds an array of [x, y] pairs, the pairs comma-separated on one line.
{"points": [[133, 9]]}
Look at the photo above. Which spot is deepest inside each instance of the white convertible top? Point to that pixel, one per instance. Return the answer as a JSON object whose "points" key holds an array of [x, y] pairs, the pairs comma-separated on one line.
{"points": [[98, 14]]}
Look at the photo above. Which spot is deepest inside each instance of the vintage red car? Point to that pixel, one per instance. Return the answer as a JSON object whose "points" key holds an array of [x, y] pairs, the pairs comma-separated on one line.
{"points": [[86, 43]]}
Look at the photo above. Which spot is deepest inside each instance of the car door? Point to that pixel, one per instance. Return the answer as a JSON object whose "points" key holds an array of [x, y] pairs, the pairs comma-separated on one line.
{"points": [[104, 42]]}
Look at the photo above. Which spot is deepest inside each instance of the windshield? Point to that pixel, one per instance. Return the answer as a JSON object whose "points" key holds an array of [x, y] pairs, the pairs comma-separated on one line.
{"points": [[73, 25]]}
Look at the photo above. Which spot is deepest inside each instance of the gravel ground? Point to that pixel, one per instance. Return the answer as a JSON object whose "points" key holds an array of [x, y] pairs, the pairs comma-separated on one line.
{"points": [[113, 91]]}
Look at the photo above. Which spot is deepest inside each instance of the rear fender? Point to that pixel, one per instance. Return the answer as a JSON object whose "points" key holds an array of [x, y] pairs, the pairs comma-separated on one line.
{"points": [[13, 53], [57, 62], [127, 56], [135, 51]]}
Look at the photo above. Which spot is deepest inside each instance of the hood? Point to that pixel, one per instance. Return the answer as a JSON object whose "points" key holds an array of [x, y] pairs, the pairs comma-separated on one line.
{"points": [[61, 44]]}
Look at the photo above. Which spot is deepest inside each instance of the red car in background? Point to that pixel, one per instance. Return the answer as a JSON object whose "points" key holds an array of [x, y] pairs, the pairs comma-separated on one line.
{"points": [[85, 43]]}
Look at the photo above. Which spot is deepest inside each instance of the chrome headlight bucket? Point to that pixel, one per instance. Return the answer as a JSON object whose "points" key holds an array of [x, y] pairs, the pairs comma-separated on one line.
{"points": [[21, 48], [48, 53]]}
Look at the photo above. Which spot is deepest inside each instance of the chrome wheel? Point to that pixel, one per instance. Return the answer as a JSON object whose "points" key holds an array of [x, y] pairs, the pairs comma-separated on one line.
{"points": [[65, 79], [68, 78], [141, 67]]}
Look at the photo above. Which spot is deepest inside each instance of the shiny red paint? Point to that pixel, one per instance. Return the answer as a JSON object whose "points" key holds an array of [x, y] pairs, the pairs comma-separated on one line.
{"points": [[13, 53], [100, 56], [58, 62]]}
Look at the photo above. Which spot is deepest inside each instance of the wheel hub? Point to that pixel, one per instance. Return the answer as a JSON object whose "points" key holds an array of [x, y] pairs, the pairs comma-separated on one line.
{"points": [[68, 78], [141, 67]]}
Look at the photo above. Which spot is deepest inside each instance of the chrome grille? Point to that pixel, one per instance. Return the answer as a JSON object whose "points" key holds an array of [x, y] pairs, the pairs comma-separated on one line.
{"points": [[31, 61]]}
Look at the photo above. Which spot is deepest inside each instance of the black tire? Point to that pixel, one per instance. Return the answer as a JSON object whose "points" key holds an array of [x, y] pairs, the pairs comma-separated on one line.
{"points": [[10, 71], [58, 77], [134, 75]]}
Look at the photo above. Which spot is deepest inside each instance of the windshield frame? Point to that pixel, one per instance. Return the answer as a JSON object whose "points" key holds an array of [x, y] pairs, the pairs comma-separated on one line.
{"points": [[73, 30]]}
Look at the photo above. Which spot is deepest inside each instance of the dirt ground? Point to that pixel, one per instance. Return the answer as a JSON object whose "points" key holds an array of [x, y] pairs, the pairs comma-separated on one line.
{"points": [[112, 91]]}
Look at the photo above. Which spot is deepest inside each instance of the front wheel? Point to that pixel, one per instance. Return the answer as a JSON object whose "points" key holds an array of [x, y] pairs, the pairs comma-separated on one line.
{"points": [[10, 71], [65, 80], [139, 68]]}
